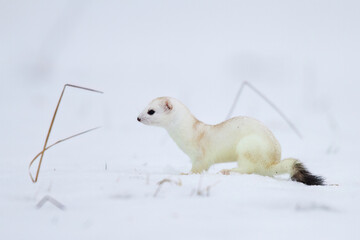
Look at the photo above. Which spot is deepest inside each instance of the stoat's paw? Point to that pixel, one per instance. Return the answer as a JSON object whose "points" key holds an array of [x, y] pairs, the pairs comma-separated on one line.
{"points": [[225, 171], [184, 173]]}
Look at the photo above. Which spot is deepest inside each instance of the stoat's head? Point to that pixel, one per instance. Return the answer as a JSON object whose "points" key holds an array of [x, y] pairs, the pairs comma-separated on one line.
{"points": [[159, 112]]}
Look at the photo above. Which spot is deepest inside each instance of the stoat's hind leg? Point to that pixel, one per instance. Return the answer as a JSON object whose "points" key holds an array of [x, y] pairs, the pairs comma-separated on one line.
{"points": [[243, 169], [254, 153]]}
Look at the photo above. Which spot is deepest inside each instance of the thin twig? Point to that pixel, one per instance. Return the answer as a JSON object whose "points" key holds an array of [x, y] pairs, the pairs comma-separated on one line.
{"points": [[198, 191], [160, 184], [45, 147], [204, 191], [179, 183], [48, 147], [292, 126]]}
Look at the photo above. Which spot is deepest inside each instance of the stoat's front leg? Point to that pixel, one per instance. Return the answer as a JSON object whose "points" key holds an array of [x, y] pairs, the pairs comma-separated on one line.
{"points": [[199, 166]]}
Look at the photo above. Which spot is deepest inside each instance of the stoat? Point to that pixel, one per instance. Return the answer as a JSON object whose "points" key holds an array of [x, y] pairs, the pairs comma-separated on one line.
{"points": [[241, 139]]}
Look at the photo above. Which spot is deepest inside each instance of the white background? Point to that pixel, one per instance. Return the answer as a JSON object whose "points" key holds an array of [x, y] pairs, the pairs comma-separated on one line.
{"points": [[303, 55]]}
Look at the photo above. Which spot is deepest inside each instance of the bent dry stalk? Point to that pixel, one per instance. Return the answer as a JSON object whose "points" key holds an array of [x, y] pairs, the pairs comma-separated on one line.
{"points": [[46, 147], [286, 119]]}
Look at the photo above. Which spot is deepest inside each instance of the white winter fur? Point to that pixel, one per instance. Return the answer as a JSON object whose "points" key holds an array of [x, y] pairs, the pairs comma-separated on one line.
{"points": [[241, 139]]}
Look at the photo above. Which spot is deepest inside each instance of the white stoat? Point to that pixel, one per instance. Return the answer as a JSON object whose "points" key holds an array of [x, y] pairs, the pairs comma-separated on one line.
{"points": [[242, 139]]}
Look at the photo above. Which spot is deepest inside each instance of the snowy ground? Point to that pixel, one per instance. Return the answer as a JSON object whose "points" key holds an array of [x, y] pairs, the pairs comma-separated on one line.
{"points": [[303, 55]]}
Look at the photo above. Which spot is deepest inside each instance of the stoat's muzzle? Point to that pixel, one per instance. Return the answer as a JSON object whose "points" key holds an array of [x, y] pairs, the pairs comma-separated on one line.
{"points": [[144, 120]]}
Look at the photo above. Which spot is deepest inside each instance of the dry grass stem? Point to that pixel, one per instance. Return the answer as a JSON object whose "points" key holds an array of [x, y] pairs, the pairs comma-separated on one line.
{"points": [[204, 191], [46, 147], [292, 126], [166, 180]]}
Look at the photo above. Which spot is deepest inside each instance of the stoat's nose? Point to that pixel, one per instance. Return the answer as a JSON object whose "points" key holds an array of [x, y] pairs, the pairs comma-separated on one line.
{"points": [[139, 119]]}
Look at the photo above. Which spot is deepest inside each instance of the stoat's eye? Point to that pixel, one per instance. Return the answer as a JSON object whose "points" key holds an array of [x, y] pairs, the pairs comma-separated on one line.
{"points": [[151, 112]]}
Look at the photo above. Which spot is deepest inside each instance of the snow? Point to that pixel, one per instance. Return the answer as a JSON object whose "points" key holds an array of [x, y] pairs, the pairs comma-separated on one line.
{"points": [[303, 55]]}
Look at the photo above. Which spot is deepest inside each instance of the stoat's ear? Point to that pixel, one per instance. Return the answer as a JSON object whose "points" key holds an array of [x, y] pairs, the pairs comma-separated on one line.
{"points": [[168, 106]]}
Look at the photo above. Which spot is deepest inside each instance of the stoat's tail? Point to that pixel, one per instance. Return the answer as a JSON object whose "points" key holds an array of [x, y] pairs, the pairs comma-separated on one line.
{"points": [[301, 174], [297, 171]]}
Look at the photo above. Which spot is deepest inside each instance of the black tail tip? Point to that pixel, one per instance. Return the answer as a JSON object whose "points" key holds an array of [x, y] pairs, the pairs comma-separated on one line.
{"points": [[301, 174]]}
